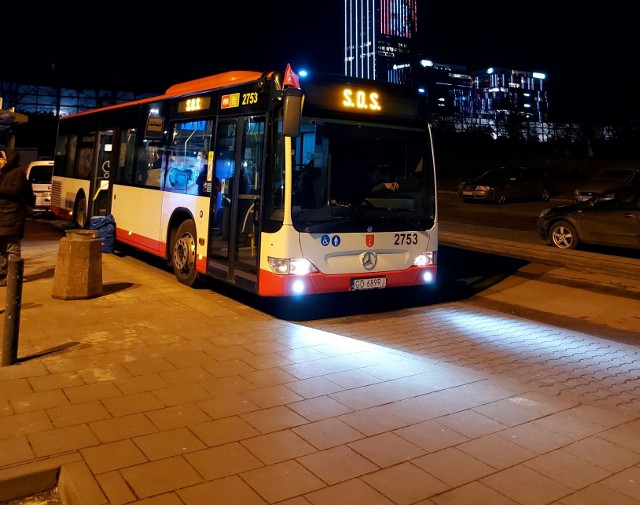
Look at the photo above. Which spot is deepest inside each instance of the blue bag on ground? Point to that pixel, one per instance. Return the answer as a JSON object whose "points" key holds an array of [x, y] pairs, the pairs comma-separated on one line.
{"points": [[106, 227]]}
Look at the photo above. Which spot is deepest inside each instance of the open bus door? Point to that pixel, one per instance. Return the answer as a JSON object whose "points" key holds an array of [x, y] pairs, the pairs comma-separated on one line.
{"points": [[234, 247], [234, 228], [92, 165], [98, 204]]}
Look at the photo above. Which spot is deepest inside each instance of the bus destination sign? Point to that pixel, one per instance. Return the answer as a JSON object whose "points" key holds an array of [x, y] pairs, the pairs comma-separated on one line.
{"points": [[356, 99], [194, 104], [361, 99]]}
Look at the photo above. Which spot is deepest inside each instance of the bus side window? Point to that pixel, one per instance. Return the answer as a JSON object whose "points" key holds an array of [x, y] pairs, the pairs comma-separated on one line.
{"points": [[124, 169], [72, 153], [149, 167], [85, 158], [155, 174], [186, 168]]}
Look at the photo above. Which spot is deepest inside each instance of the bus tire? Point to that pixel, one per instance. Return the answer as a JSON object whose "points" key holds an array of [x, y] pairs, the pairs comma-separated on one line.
{"points": [[172, 240], [183, 253], [80, 214]]}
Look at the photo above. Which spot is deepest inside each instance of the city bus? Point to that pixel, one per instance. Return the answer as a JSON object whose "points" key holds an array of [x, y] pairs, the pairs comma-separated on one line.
{"points": [[278, 184]]}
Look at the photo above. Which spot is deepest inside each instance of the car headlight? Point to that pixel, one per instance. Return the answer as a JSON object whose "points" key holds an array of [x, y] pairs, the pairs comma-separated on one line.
{"points": [[543, 213]]}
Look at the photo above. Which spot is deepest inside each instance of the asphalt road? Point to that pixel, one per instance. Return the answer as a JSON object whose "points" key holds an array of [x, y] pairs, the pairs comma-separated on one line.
{"points": [[519, 217], [512, 221]]}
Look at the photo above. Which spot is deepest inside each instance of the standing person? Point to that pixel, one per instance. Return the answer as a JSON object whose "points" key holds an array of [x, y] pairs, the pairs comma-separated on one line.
{"points": [[16, 194]]}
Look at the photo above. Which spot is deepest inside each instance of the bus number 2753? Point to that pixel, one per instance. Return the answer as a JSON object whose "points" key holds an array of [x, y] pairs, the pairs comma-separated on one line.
{"points": [[406, 239], [249, 98]]}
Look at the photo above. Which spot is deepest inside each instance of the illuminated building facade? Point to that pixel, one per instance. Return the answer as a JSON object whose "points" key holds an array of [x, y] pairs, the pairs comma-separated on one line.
{"points": [[500, 91], [32, 98], [378, 39], [379, 44], [489, 93]]}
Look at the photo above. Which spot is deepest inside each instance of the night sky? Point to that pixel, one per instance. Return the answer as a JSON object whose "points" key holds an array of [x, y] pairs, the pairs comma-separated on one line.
{"points": [[585, 53]]}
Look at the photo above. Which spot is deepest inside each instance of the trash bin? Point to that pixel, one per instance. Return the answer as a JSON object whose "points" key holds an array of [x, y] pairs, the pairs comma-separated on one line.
{"points": [[78, 272]]}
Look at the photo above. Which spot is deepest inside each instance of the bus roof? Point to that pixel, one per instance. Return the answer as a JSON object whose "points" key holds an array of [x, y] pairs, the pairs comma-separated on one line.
{"points": [[213, 82], [185, 88]]}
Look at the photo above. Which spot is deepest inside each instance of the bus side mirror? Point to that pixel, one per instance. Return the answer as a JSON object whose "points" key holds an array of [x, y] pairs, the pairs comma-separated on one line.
{"points": [[292, 112]]}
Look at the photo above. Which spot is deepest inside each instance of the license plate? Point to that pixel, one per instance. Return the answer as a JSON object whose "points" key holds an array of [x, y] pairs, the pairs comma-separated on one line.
{"points": [[467, 193], [370, 283]]}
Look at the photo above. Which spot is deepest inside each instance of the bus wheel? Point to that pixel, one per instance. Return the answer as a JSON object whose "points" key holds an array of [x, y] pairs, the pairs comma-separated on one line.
{"points": [[172, 240], [80, 215], [184, 254]]}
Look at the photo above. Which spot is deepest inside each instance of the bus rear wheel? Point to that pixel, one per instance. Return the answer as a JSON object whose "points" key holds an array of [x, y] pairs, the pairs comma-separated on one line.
{"points": [[183, 256]]}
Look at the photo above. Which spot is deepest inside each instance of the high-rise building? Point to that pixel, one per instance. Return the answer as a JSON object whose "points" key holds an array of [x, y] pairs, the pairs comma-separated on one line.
{"points": [[379, 39], [380, 44]]}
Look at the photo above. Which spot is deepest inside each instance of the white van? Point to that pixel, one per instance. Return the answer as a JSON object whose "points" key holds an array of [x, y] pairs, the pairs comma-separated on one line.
{"points": [[40, 174]]}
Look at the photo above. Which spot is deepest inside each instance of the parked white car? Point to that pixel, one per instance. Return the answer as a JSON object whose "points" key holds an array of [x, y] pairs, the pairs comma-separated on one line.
{"points": [[40, 174]]}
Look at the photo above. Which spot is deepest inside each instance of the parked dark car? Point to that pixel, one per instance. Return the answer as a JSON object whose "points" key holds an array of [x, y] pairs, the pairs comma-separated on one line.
{"points": [[610, 219], [607, 178], [503, 184]]}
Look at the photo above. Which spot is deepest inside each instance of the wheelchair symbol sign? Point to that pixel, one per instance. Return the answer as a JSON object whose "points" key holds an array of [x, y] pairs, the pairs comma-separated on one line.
{"points": [[334, 241]]}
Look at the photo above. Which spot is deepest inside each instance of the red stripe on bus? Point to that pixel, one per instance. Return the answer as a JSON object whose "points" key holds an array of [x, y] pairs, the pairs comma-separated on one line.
{"points": [[155, 247], [282, 285]]}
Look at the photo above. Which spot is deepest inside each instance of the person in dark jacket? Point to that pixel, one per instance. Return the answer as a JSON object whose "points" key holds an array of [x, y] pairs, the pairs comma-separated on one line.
{"points": [[16, 195]]}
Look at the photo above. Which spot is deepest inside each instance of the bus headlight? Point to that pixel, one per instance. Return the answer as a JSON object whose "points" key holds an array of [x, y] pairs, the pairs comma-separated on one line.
{"points": [[424, 259], [291, 266]]}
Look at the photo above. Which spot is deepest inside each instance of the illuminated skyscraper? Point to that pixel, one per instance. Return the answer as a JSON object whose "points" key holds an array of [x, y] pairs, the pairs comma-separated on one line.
{"points": [[378, 39]]}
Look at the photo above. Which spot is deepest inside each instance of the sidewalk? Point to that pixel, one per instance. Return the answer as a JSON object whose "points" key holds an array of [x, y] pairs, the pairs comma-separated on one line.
{"points": [[158, 394]]}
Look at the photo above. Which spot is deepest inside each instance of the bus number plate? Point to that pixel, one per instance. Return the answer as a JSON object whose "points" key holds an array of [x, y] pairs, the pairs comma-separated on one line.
{"points": [[370, 283]]}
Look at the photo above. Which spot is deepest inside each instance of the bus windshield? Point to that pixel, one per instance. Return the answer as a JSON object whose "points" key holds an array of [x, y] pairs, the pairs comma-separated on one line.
{"points": [[345, 177]]}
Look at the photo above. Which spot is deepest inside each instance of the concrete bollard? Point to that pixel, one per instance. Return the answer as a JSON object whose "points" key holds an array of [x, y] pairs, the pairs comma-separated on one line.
{"points": [[78, 272]]}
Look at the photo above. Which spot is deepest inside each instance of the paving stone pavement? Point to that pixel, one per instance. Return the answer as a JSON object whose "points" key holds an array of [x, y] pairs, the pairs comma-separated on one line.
{"points": [[564, 363], [157, 394]]}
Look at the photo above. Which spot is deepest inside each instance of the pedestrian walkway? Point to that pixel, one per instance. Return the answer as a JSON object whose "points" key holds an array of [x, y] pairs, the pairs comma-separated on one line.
{"points": [[157, 394]]}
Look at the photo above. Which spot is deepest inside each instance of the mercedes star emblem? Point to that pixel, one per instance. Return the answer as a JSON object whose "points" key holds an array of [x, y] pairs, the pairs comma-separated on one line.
{"points": [[369, 260]]}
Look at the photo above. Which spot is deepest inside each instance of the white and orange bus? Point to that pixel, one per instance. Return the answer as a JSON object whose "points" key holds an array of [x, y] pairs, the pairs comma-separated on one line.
{"points": [[264, 180]]}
